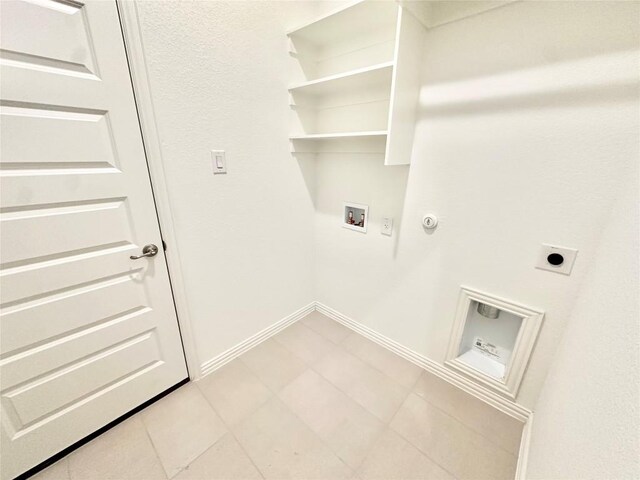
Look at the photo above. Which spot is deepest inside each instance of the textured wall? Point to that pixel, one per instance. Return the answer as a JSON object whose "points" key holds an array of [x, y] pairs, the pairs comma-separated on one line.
{"points": [[528, 124], [587, 420], [527, 127], [219, 76]]}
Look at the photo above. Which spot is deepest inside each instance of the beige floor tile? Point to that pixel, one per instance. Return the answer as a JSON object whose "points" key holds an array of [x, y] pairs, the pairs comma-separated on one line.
{"points": [[394, 366], [273, 364], [341, 368], [223, 461], [234, 391], [498, 427], [124, 452], [346, 427], [57, 471], [378, 394], [393, 458], [369, 387], [283, 447], [328, 419], [303, 342], [182, 426], [445, 440], [325, 326]]}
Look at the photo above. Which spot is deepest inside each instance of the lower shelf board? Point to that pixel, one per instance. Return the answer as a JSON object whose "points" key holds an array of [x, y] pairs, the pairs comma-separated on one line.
{"points": [[369, 142]]}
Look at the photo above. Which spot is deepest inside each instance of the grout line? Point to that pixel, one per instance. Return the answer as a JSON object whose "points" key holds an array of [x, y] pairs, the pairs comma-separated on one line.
{"points": [[255, 374], [228, 426], [274, 390], [353, 332], [459, 382], [388, 423], [153, 445], [322, 334], [415, 446], [385, 424], [310, 367], [340, 344], [322, 440], [469, 427], [197, 457], [411, 390]]}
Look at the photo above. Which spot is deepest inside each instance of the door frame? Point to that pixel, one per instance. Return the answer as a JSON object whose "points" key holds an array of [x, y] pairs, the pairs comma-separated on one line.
{"points": [[128, 13]]}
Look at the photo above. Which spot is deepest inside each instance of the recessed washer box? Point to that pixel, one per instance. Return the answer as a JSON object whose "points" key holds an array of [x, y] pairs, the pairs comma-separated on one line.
{"points": [[355, 216]]}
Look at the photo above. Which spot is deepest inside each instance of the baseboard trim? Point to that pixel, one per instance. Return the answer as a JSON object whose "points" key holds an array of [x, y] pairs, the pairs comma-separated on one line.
{"points": [[523, 453], [503, 404], [215, 363]]}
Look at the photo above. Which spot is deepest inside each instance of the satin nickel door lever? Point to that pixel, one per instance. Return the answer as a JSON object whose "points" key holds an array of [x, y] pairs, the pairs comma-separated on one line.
{"points": [[147, 251]]}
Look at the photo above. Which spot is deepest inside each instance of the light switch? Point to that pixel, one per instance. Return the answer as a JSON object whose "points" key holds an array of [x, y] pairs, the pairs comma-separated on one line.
{"points": [[219, 161]]}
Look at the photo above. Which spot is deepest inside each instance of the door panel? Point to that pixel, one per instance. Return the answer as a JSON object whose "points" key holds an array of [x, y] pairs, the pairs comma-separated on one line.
{"points": [[40, 230], [87, 333], [34, 322], [64, 138], [65, 386]]}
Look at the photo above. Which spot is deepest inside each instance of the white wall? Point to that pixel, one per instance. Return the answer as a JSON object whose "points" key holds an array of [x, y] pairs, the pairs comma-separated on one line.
{"points": [[219, 76], [587, 420], [528, 124]]}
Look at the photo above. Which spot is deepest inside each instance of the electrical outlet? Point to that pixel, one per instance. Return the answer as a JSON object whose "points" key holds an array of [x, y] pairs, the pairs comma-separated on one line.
{"points": [[556, 259], [387, 226]]}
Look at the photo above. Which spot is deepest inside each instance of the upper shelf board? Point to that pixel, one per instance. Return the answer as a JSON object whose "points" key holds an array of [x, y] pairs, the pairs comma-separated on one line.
{"points": [[358, 78], [349, 21], [328, 136]]}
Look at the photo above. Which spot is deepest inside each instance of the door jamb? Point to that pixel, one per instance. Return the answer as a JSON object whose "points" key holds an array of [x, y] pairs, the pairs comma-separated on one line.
{"points": [[134, 47]]}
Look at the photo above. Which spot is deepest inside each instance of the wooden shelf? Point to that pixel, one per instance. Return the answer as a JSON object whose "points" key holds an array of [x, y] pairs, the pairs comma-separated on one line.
{"points": [[357, 78], [329, 136], [350, 21], [362, 81]]}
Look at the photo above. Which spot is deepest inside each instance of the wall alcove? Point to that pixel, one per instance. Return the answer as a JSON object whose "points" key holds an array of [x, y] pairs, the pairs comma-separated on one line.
{"points": [[492, 340], [360, 82]]}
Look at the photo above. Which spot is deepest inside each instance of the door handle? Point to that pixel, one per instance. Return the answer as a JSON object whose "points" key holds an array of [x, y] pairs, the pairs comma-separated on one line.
{"points": [[147, 251]]}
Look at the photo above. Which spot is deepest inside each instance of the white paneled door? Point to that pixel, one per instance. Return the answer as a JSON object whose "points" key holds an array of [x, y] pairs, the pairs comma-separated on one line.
{"points": [[87, 333]]}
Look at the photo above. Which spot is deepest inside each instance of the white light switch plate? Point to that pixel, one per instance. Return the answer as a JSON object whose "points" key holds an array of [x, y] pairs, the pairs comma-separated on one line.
{"points": [[218, 161], [550, 254], [387, 226]]}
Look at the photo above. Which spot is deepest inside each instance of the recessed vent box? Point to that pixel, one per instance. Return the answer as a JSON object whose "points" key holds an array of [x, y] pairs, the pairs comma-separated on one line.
{"points": [[492, 340]]}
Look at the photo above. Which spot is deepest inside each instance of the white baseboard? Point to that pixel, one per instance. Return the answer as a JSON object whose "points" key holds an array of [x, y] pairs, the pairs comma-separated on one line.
{"points": [[523, 453], [225, 357], [503, 404]]}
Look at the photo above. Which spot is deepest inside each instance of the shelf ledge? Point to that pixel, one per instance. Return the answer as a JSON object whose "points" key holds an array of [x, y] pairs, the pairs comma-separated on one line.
{"points": [[347, 21], [376, 72], [328, 136]]}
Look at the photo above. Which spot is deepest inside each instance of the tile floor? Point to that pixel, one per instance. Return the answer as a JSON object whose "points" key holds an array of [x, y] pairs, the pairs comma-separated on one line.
{"points": [[317, 401]]}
